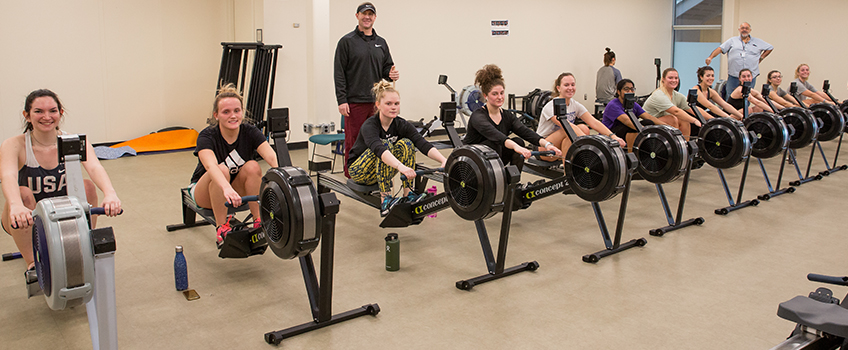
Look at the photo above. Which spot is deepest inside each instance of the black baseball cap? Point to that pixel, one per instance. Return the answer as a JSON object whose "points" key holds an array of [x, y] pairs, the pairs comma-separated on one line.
{"points": [[366, 7]]}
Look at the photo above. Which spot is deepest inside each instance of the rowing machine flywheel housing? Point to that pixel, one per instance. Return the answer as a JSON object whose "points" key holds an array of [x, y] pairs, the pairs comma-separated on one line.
{"points": [[832, 121], [597, 168], [662, 152], [772, 134], [64, 260], [844, 109], [537, 103], [290, 212], [805, 125], [724, 142], [469, 100], [476, 182]]}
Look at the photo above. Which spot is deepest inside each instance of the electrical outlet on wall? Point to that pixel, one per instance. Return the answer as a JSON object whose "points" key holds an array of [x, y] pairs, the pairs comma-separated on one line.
{"points": [[585, 97]]}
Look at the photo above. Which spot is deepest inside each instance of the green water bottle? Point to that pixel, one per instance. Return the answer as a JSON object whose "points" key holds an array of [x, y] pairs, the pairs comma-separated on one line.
{"points": [[392, 252]]}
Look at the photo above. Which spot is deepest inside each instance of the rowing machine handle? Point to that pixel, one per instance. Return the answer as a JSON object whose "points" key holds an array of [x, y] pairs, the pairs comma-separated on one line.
{"points": [[423, 172], [101, 211], [92, 211], [245, 199], [842, 281], [542, 153]]}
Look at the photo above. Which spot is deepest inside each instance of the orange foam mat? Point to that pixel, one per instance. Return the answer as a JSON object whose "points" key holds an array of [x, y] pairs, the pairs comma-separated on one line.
{"points": [[163, 141]]}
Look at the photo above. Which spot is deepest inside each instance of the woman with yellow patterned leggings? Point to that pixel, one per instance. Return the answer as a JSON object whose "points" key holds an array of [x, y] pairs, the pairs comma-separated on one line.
{"points": [[385, 146]]}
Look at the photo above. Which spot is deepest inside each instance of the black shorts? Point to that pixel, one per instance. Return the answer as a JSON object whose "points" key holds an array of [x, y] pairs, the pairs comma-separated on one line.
{"points": [[621, 130]]}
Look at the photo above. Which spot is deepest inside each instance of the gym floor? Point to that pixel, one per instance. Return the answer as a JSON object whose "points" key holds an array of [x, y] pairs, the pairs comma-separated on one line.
{"points": [[714, 286]]}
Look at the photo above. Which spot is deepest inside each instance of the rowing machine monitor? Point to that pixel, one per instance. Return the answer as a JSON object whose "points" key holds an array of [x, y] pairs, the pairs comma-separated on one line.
{"points": [[629, 100]]}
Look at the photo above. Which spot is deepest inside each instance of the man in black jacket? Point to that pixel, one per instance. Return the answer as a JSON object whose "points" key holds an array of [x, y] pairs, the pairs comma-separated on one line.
{"points": [[362, 59]]}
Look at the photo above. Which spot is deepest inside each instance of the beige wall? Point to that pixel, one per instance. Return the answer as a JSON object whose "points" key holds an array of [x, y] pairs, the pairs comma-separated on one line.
{"points": [[452, 38], [546, 38], [122, 68], [815, 38], [128, 68]]}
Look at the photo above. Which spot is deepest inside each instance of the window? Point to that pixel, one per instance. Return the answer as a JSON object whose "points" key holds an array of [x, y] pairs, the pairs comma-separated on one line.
{"points": [[697, 32]]}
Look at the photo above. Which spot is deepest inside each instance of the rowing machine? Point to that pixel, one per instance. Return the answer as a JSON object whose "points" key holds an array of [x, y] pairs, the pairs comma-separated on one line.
{"points": [[724, 143], [833, 125], [598, 169], [478, 186], [806, 132], [75, 265], [774, 135], [664, 155], [295, 220]]}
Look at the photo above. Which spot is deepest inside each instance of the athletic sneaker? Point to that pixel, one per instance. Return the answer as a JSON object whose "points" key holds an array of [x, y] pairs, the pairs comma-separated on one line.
{"points": [[257, 223], [413, 197], [387, 205], [223, 230]]}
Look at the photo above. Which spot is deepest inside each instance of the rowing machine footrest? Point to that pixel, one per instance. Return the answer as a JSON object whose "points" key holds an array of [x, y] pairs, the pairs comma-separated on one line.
{"points": [[243, 242], [399, 216]]}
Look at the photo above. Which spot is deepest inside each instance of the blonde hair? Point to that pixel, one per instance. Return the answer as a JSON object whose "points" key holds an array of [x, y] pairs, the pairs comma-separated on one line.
{"points": [[798, 70], [488, 77], [226, 91], [381, 88]]}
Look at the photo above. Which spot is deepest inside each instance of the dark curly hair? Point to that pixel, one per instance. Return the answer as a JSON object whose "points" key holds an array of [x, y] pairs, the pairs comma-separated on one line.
{"points": [[488, 77]]}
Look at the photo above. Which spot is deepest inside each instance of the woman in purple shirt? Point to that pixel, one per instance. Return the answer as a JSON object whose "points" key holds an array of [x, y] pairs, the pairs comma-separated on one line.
{"points": [[618, 121]]}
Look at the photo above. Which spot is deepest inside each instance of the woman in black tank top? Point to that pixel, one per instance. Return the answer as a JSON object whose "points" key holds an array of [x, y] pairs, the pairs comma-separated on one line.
{"points": [[709, 99], [757, 103]]}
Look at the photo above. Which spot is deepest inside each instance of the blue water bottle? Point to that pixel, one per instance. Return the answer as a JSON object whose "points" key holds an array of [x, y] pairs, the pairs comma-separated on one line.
{"points": [[180, 270]]}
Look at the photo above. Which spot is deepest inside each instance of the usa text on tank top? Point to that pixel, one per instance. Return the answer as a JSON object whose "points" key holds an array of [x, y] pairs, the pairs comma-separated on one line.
{"points": [[42, 182]]}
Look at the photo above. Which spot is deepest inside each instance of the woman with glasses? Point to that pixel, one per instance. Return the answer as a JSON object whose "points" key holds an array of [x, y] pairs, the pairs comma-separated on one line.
{"points": [[777, 94], [618, 121]]}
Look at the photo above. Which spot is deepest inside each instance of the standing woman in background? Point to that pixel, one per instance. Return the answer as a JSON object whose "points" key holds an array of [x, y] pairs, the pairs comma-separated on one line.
{"points": [[30, 170], [490, 124], [606, 79], [565, 86], [709, 99], [670, 106]]}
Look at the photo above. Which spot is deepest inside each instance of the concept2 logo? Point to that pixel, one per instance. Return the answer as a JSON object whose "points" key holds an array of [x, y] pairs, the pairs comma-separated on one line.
{"points": [[427, 206], [552, 188]]}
